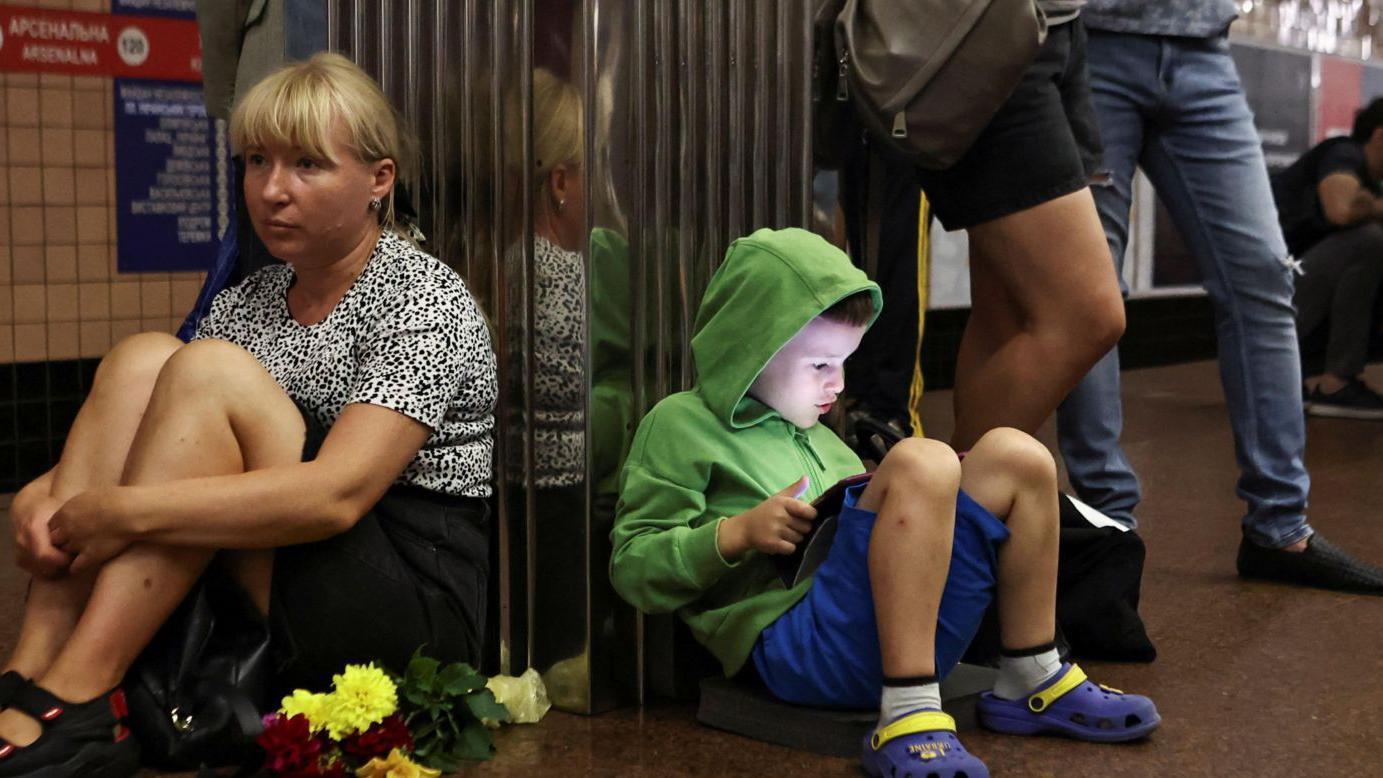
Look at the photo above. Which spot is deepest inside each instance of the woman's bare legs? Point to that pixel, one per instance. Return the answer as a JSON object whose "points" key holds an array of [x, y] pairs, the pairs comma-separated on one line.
{"points": [[1014, 477], [1045, 307], [214, 410], [97, 447]]}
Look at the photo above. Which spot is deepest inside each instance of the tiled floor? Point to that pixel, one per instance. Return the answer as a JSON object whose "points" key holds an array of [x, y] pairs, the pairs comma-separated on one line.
{"points": [[1252, 679]]}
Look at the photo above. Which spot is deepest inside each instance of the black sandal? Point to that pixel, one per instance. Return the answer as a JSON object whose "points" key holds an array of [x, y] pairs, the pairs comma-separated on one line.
{"points": [[88, 739], [10, 683]]}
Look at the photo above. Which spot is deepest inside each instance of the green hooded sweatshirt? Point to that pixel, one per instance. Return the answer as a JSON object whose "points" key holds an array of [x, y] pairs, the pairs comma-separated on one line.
{"points": [[712, 452]]}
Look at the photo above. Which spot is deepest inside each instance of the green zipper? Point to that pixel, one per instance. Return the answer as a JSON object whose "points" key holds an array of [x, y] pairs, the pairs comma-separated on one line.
{"points": [[801, 441]]}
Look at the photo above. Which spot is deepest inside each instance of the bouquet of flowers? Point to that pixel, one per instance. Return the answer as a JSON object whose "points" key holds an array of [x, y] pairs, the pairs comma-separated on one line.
{"points": [[371, 725]]}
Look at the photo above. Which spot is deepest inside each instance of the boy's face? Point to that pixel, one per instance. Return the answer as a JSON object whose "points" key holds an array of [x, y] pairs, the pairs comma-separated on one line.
{"points": [[803, 379]]}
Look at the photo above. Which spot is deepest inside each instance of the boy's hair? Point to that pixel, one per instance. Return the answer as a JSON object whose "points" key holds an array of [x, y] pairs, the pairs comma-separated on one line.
{"points": [[1367, 120], [856, 310]]}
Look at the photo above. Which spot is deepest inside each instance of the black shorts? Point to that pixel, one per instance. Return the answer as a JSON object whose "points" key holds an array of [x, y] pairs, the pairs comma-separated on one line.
{"points": [[412, 572], [1042, 144]]}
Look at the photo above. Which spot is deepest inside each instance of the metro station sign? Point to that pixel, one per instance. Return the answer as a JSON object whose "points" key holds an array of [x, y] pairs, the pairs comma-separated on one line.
{"points": [[37, 40]]}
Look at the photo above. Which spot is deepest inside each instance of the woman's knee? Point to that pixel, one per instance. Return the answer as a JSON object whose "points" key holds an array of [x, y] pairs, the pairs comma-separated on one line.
{"points": [[1095, 324], [135, 361], [221, 376], [212, 364]]}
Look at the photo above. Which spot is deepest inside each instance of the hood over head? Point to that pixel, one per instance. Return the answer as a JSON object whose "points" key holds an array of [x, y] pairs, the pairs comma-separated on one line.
{"points": [[771, 284]]}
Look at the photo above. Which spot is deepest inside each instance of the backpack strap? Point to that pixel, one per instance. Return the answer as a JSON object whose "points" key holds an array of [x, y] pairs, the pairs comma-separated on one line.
{"points": [[873, 204]]}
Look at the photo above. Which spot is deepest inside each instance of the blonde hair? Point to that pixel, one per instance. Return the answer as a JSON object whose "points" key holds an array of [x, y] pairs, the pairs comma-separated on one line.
{"points": [[299, 103], [557, 134]]}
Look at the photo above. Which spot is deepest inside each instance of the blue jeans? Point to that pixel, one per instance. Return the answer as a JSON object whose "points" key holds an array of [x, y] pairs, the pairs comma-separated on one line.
{"points": [[1175, 106]]}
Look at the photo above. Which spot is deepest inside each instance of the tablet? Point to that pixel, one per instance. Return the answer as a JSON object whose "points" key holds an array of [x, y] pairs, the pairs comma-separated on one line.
{"points": [[811, 552]]}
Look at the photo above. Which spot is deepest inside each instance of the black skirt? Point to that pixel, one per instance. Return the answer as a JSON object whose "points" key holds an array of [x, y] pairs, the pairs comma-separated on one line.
{"points": [[411, 573]]}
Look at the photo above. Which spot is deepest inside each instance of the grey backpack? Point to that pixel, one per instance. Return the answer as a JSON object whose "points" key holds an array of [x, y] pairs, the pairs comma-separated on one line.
{"points": [[924, 76]]}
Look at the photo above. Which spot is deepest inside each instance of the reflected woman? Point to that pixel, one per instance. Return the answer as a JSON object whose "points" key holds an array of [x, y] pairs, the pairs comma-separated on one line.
{"points": [[325, 440], [559, 305]]}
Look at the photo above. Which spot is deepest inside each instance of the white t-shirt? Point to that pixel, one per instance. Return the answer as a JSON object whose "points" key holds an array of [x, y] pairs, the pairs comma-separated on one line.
{"points": [[406, 336]]}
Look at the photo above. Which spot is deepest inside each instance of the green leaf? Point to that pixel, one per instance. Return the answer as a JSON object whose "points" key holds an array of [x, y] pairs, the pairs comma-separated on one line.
{"points": [[484, 706], [447, 763], [458, 678], [415, 695], [475, 742], [454, 725], [426, 730], [421, 671]]}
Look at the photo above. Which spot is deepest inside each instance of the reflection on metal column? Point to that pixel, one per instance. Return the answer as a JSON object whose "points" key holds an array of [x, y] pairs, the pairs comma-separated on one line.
{"points": [[585, 163]]}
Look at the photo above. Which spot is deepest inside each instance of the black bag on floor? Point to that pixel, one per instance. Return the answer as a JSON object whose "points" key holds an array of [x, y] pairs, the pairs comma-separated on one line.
{"points": [[1097, 587], [197, 691]]}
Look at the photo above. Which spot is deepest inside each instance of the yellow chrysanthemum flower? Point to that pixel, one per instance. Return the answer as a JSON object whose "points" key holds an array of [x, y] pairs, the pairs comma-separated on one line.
{"points": [[396, 766], [306, 703], [363, 695]]}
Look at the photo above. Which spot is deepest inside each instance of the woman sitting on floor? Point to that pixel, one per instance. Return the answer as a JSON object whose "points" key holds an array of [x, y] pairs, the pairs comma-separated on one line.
{"points": [[326, 439]]}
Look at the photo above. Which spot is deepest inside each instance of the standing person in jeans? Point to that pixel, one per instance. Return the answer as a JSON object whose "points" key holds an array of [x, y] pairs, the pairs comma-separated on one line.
{"points": [[1329, 204], [1167, 97]]}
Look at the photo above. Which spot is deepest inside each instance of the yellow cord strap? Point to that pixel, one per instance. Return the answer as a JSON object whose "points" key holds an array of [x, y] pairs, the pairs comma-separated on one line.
{"points": [[924, 253], [921, 721], [1043, 699]]}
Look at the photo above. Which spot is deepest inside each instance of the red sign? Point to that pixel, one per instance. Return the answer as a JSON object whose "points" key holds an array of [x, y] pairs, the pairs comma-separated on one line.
{"points": [[1340, 93], [91, 44]]}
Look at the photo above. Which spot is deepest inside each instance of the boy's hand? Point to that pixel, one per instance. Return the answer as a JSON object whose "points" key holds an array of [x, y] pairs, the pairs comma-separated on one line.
{"points": [[774, 526]]}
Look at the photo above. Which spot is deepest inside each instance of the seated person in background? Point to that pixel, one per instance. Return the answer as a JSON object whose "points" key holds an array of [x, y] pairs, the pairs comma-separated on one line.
{"points": [[1330, 206], [716, 484], [326, 440]]}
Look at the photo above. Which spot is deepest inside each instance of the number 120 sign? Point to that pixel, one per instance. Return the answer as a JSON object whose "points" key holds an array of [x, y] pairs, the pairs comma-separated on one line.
{"points": [[90, 44]]}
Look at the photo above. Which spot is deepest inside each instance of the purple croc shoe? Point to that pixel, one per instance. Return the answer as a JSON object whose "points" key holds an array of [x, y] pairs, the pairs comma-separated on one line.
{"points": [[1070, 704], [921, 744]]}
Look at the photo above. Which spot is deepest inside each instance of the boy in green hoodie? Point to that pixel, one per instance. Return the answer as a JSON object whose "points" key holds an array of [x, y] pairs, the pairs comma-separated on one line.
{"points": [[719, 480]]}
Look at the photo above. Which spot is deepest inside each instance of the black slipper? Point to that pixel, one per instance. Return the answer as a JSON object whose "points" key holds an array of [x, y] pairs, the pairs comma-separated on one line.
{"points": [[79, 740], [1321, 565]]}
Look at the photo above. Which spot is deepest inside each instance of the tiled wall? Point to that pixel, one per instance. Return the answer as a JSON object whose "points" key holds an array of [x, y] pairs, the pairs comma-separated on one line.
{"points": [[62, 301]]}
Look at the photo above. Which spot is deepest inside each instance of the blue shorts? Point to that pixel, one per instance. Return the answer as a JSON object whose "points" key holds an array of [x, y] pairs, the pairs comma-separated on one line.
{"points": [[825, 650]]}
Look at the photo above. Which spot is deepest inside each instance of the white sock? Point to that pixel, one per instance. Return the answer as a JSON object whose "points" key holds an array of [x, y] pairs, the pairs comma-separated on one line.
{"points": [[899, 700], [1019, 676]]}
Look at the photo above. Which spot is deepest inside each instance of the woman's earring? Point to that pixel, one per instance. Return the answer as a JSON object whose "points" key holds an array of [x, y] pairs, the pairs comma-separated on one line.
{"points": [[560, 205], [376, 204]]}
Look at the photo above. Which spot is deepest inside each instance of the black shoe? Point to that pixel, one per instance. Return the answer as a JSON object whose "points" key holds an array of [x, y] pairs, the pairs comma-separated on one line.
{"points": [[1355, 401], [79, 740], [1321, 565]]}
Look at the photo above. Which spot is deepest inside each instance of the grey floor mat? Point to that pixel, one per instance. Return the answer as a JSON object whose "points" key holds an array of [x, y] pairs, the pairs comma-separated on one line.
{"points": [[752, 712]]}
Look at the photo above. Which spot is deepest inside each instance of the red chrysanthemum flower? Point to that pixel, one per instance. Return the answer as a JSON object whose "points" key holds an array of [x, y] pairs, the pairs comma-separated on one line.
{"points": [[290, 749], [380, 739]]}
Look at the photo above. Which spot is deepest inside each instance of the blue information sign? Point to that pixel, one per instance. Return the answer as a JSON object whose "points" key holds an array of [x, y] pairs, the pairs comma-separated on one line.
{"points": [[178, 9], [172, 179]]}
